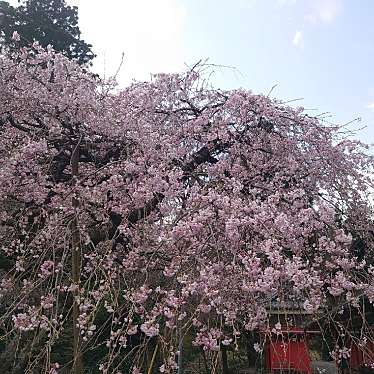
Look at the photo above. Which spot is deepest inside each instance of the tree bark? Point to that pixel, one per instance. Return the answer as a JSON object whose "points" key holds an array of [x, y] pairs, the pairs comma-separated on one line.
{"points": [[153, 359], [76, 266], [206, 366], [225, 366], [180, 356]]}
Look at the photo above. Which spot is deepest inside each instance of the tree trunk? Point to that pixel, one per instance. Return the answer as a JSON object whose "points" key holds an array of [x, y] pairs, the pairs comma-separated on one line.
{"points": [[76, 267], [180, 358], [153, 359], [251, 353], [225, 366], [206, 366]]}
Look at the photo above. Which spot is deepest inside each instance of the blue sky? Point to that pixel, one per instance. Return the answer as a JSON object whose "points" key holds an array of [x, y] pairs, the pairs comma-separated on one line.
{"points": [[322, 51], [318, 50]]}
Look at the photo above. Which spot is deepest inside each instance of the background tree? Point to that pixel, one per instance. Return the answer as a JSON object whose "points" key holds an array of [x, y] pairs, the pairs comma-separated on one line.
{"points": [[48, 22]]}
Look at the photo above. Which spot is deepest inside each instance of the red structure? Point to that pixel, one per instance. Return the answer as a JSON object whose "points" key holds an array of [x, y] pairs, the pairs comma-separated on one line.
{"points": [[288, 351], [363, 356]]}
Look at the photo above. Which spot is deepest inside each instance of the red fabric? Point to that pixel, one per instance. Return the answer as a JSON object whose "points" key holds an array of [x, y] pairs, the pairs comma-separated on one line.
{"points": [[293, 355]]}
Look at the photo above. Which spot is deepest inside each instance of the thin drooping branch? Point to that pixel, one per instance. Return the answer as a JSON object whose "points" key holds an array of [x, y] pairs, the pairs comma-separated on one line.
{"points": [[166, 209]]}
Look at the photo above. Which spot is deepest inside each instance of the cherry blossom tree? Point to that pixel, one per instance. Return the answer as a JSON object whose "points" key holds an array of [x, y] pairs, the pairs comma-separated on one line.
{"points": [[130, 217]]}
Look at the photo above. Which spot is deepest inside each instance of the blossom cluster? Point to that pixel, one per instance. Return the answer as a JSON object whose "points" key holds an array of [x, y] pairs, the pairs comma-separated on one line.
{"points": [[189, 208]]}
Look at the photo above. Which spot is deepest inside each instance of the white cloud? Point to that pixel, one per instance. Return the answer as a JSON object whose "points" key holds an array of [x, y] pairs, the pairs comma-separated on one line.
{"points": [[148, 32], [247, 4], [286, 2], [324, 11], [298, 39]]}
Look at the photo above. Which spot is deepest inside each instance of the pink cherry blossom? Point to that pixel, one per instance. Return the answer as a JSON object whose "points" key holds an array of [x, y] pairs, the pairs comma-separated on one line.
{"points": [[170, 206]]}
